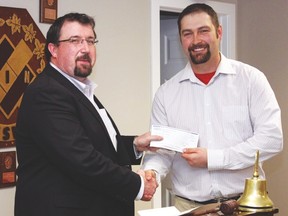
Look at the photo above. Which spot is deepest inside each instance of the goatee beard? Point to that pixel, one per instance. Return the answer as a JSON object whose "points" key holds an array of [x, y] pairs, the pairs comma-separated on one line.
{"points": [[82, 73], [199, 58], [84, 70]]}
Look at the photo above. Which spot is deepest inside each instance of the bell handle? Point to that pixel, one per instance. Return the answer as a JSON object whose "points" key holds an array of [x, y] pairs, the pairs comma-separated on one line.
{"points": [[256, 165]]}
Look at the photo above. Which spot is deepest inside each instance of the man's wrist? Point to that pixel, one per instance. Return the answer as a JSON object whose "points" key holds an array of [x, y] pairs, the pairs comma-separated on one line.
{"points": [[141, 190], [138, 153], [136, 146], [134, 140], [157, 176]]}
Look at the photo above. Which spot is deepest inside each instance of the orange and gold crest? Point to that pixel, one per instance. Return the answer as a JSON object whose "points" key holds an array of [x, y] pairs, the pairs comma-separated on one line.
{"points": [[21, 60]]}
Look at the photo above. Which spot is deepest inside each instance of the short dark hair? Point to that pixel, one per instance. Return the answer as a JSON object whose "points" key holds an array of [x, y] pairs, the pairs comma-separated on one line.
{"points": [[197, 8], [53, 33]]}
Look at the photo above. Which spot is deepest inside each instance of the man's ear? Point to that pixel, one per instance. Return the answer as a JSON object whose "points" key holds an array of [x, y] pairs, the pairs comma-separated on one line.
{"points": [[219, 32], [53, 49]]}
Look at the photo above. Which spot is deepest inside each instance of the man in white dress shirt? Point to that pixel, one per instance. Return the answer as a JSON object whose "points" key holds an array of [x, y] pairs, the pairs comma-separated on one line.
{"points": [[228, 103]]}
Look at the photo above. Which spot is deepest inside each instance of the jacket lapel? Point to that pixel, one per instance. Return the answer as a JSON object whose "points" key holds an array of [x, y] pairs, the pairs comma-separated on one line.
{"points": [[52, 72]]}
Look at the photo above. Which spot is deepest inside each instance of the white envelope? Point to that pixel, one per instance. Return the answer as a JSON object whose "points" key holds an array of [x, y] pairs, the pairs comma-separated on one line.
{"points": [[167, 211], [174, 139]]}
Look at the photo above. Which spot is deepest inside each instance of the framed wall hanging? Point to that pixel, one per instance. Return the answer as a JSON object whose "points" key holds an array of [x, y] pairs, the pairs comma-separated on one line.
{"points": [[22, 59], [48, 11]]}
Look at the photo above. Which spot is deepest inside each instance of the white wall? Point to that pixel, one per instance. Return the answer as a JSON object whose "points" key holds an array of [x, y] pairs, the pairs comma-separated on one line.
{"points": [[122, 71]]}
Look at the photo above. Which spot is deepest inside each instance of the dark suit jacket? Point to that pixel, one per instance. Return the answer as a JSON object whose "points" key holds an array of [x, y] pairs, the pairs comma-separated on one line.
{"points": [[67, 163]]}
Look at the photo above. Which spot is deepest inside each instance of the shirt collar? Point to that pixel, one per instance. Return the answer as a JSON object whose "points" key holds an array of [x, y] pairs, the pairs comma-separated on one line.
{"points": [[223, 68], [86, 88]]}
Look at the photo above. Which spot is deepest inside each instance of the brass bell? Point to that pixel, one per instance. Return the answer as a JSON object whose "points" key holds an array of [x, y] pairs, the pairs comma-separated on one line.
{"points": [[255, 197]]}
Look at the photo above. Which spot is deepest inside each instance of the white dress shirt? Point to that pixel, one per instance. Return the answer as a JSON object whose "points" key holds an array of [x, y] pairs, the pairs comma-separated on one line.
{"points": [[235, 115]]}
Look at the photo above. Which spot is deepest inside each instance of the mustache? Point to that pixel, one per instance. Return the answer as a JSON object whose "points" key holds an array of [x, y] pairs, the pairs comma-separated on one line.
{"points": [[198, 46], [84, 57]]}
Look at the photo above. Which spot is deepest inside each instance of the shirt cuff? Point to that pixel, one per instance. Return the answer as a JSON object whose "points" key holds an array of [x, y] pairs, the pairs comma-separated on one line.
{"points": [[138, 154], [158, 178], [141, 191], [215, 159]]}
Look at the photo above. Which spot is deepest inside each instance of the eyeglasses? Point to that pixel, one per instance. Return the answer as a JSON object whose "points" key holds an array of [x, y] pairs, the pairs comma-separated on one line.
{"points": [[78, 40]]}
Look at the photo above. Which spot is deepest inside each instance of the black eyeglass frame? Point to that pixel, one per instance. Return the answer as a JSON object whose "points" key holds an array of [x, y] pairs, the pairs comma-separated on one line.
{"points": [[77, 40]]}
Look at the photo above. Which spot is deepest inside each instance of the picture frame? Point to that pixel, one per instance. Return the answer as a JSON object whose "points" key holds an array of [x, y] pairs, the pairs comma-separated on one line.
{"points": [[7, 169], [48, 10]]}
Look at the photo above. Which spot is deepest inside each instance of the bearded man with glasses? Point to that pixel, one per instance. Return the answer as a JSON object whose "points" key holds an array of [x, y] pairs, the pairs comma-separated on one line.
{"points": [[72, 159]]}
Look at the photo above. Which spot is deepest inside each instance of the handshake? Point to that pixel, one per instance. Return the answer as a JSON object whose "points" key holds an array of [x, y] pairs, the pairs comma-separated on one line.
{"points": [[150, 183], [142, 143]]}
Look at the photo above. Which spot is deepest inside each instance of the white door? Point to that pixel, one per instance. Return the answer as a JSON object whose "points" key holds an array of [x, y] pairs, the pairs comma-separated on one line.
{"points": [[172, 58]]}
